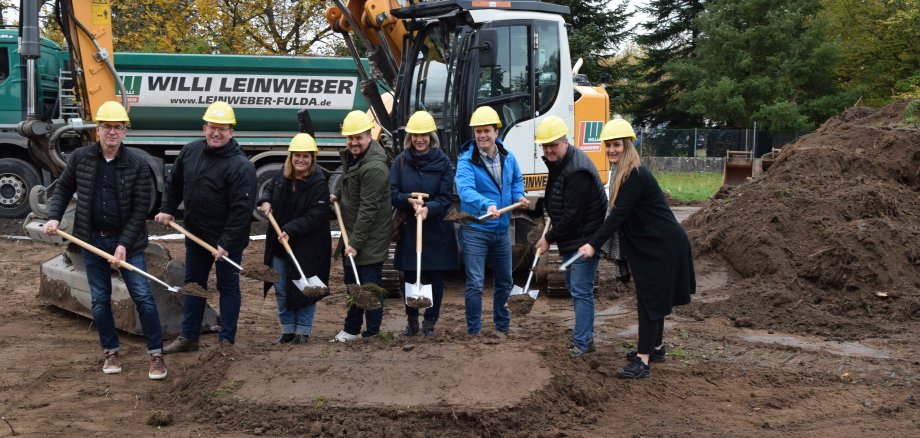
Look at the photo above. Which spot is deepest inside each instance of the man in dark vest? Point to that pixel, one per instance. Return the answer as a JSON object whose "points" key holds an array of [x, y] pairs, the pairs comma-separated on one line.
{"points": [[576, 204]]}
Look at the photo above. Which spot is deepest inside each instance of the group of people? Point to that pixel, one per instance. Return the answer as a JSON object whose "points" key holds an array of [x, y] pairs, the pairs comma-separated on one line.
{"points": [[216, 182]]}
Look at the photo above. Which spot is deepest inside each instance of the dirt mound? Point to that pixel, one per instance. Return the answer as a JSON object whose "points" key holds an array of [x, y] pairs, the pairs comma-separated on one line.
{"points": [[828, 240]]}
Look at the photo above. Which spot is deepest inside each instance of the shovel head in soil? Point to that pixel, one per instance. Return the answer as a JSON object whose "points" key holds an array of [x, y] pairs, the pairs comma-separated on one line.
{"points": [[419, 295]]}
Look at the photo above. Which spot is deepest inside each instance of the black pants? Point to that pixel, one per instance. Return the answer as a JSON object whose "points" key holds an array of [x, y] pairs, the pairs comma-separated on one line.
{"points": [[436, 280], [372, 273], [651, 331]]}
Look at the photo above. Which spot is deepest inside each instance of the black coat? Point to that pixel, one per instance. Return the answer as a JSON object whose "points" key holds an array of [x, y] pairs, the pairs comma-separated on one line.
{"points": [[218, 186], [431, 174], [655, 244], [132, 188], [301, 209]]}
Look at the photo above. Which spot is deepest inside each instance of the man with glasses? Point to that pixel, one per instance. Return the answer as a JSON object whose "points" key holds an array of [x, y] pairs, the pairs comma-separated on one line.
{"points": [[576, 203], [113, 188], [218, 185]]}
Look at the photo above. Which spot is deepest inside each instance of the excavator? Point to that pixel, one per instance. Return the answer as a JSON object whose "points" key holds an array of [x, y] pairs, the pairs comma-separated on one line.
{"points": [[448, 57]]}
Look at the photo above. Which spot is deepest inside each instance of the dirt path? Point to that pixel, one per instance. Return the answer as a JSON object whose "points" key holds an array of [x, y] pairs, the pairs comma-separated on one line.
{"points": [[720, 379]]}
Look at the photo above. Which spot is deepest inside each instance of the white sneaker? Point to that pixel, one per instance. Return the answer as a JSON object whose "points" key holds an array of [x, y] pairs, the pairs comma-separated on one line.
{"points": [[344, 336]]}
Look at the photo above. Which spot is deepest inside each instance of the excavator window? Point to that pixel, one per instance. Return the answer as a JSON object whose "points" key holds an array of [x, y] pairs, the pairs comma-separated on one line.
{"points": [[547, 62]]}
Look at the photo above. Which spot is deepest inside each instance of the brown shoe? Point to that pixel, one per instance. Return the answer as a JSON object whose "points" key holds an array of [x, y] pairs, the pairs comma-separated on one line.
{"points": [[112, 363], [157, 367], [180, 345]]}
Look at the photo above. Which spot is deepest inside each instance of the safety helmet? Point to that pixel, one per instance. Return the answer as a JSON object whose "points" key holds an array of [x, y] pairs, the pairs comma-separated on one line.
{"points": [[421, 123], [303, 143], [485, 115], [111, 111], [551, 129], [220, 112], [356, 122], [617, 128]]}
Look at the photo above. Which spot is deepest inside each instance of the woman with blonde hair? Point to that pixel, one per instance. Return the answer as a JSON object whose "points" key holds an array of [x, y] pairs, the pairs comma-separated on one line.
{"points": [[298, 199], [655, 245]]}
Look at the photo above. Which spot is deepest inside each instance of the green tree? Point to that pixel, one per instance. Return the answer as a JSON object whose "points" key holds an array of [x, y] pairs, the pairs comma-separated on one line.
{"points": [[668, 36], [164, 26], [760, 60], [879, 40]]}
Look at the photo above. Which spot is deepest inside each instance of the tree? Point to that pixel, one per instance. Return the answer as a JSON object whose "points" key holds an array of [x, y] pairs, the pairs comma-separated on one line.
{"points": [[669, 36], [165, 26], [760, 60], [596, 35], [878, 47]]}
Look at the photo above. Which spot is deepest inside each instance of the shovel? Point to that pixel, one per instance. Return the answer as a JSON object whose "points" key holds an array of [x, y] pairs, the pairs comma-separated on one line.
{"points": [[571, 260], [420, 293], [122, 263], [536, 258], [464, 217], [267, 274], [500, 212], [303, 282], [354, 267]]}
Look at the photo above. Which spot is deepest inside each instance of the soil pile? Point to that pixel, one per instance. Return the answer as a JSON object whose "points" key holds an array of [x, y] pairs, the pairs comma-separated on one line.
{"points": [[828, 240]]}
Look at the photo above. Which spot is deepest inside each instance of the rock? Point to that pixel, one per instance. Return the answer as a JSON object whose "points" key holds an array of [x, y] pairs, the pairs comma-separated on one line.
{"points": [[408, 347], [258, 431], [867, 403], [316, 429]]}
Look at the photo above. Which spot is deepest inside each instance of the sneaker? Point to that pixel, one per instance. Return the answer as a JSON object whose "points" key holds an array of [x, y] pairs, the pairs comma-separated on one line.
{"points": [[344, 336], [285, 338], [427, 328], [112, 363], [180, 345], [300, 339], [635, 370], [411, 328], [659, 355], [590, 349], [157, 367], [576, 352]]}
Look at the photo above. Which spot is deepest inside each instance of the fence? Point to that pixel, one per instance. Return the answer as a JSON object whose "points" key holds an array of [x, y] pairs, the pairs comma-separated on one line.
{"points": [[712, 143]]}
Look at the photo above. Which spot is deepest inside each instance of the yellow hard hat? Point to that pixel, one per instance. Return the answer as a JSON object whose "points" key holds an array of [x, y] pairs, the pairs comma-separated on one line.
{"points": [[551, 129], [421, 123], [303, 143], [617, 128], [485, 115], [220, 112], [111, 111], [356, 122]]}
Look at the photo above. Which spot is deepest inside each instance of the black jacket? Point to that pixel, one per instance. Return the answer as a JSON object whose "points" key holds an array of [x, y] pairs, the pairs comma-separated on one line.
{"points": [[219, 187], [575, 200], [132, 189], [434, 175], [301, 209], [655, 244]]}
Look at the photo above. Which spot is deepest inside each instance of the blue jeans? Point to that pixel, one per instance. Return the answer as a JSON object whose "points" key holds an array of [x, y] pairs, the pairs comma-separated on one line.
{"points": [[198, 262], [99, 277], [478, 248], [579, 280], [297, 321], [372, 273], [436, 280]]}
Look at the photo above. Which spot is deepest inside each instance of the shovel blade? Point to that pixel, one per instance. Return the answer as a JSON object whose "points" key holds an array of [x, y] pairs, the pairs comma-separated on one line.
{"points": [[419, 291], [533, 293], [314, 281], [517, 290], [301, 284]]}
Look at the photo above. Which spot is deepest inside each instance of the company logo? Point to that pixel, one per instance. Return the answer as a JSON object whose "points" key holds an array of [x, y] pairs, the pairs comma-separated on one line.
{"points": [[133, 84], [590, 133]]}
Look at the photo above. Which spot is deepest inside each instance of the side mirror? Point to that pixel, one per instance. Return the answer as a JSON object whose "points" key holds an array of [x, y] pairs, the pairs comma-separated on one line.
{"points": [[488, 47]]}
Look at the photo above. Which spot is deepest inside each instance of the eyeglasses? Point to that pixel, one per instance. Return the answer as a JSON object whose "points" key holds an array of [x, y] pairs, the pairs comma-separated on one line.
{"points": [[118, 128], [210, 128]]}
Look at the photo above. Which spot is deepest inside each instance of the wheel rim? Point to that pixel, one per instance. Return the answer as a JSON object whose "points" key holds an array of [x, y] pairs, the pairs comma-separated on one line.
{"points": [[12, 191]]}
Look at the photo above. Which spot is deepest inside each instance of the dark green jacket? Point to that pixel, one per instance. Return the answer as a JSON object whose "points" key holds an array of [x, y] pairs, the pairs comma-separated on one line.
{"points": [[364, 197]]}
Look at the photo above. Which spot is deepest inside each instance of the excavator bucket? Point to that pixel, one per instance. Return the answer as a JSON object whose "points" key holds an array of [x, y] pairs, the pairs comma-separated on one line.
{"points": [[739, 166]]}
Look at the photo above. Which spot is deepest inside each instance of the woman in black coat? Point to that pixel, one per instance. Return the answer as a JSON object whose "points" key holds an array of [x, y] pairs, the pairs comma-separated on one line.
{"points": [[655, 245], [423, 167], [298, 198]]}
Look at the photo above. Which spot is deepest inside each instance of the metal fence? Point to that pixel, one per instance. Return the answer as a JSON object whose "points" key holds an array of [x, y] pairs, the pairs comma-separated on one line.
{"points": [[712, 143]]}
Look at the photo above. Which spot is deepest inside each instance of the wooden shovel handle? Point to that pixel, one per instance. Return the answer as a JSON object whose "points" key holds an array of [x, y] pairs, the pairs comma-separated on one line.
{"points": [[194, 238], [418, 223], [338, 216], [504, 210], [95, 250], [545, 229], [278, 232]]}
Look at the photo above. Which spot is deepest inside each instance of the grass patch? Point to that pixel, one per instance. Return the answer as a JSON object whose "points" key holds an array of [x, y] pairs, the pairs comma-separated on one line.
{"points": [[689, 186], [320, 402], [911, 112], [386, 336], [225, 389]]}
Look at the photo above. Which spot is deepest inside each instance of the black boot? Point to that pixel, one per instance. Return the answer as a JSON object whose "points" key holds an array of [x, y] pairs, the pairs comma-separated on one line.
{"points": [[285, 338], [427, 328], [411, 328]]}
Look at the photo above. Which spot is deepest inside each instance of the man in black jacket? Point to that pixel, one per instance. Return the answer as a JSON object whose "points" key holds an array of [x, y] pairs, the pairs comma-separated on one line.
{"points": [[113, 197], [218, 184], [576, 204]]}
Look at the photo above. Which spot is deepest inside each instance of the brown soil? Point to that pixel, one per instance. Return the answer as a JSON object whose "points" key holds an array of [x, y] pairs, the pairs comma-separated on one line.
{"points": [[520, 304], [418, 303], [363, 297], [258, 271], [833, 223], [316, 292], [194, 289], [459, 216]]}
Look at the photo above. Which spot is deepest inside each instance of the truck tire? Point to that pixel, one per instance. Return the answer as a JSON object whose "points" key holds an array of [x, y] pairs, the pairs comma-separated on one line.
{"points": [[17, 177], [263, 175]]}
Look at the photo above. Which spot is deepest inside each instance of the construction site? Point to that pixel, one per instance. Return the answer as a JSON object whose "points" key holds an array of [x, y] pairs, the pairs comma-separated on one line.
{"points": [[804, 323]]}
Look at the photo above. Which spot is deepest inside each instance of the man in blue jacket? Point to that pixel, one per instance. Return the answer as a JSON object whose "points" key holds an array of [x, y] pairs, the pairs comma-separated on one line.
{"points": [[488, 179]]}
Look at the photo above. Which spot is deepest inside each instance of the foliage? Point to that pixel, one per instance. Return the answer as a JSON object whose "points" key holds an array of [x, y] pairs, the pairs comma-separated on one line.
{"points": [[225, 389], [668, 36], [689, 186], [879, 43], [760, 60]]}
